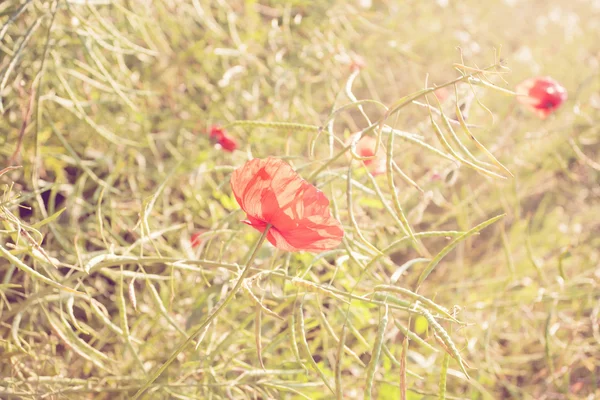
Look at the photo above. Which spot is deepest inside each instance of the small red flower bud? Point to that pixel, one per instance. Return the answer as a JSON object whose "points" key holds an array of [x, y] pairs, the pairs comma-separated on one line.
{"points": [[196, 239], [226, 141], [541, 95]]}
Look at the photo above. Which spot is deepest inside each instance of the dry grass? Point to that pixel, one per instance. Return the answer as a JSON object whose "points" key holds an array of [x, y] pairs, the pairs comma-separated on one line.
{"points": [[105, 106]]}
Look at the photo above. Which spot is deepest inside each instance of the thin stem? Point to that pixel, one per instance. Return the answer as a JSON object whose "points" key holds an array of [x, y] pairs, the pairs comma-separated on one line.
{"points": [[210, 318]]}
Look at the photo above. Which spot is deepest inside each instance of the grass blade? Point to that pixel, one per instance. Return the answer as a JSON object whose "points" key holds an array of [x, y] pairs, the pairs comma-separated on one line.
{"points": [[453, 244]]}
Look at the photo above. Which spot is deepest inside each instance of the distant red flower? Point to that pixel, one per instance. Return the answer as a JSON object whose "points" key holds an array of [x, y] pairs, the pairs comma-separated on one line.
{"points": [[196, 239], [357, 63], [216, 132], [226, 141], [271, 192], [366, 148], [442, 94], [542, 95]]}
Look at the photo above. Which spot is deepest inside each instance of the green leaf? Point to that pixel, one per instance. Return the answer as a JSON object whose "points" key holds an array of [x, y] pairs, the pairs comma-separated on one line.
{"points": [[51, 218], [453, 244]]}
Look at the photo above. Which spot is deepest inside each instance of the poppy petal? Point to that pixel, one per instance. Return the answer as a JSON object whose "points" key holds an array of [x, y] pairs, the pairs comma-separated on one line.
{"points": [[196, 239], [366, 148], [271, 192], [228, 143]]}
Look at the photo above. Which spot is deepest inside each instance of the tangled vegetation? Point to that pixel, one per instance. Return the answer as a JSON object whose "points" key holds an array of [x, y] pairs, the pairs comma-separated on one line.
{"points": [[470, 264]]}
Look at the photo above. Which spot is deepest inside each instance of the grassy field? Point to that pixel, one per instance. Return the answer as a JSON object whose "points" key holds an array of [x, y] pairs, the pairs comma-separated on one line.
{"points": [[456, 279]]}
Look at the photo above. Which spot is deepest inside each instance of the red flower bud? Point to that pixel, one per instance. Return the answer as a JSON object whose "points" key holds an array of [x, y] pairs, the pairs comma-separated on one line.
{"points": [[542, 95]]}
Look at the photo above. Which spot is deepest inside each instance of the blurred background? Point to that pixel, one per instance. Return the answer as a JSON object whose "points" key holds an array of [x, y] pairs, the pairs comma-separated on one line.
{"points": [[106, 107]]}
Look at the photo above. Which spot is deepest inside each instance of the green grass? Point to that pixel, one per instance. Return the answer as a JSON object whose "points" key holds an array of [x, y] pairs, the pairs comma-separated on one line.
{"points": [[105, 108]]}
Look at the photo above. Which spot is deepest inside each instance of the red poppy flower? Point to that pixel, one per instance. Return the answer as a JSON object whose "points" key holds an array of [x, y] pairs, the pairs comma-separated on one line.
{"points": [[196, 239], [226, 141], [441, 93], [271, 192], [216, 132], [366, 148], [542, 95], [435, 176]]}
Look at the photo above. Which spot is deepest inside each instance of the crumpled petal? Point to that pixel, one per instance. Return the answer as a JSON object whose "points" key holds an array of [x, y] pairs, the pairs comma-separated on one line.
{"points": [[271, 192]]}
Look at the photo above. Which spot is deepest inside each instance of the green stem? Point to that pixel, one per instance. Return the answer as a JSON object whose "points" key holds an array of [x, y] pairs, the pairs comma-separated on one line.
{"points": [[443, 377], [272, 125], [210, 318], [328, 163]]}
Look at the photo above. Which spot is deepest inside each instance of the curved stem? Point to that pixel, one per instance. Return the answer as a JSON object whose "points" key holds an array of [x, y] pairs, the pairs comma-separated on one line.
{"points": [[210, 318]]}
